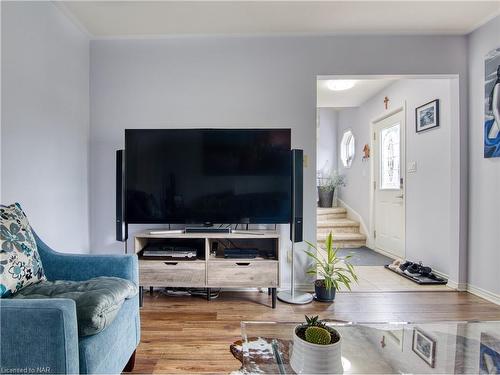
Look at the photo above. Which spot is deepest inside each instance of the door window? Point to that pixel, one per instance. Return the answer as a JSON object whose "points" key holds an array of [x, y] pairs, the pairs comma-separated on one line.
{"points": [[390, 157]]}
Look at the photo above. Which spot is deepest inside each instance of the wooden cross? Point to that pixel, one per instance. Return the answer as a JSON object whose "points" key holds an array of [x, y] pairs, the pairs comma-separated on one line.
{"points": [[386, 102]]}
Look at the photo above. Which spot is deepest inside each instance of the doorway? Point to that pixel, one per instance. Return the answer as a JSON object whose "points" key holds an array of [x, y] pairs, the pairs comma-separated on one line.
{"points": [[388, 181], [367, 137]]}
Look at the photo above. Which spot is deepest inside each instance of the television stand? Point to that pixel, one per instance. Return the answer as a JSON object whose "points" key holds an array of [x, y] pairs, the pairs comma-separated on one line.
{"points": [[210, 269]]}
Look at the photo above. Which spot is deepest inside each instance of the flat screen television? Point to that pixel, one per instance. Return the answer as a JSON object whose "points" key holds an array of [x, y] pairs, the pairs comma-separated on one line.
{"points": [[206, 176]]}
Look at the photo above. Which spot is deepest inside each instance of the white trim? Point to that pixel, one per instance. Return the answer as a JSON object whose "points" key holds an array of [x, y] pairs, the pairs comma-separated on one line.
{"points": [[483, 293], [459, 287]]}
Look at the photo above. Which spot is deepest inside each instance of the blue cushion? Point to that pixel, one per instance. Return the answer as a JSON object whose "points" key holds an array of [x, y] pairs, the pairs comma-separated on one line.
{"points": [[98, 300], [111, 349]]}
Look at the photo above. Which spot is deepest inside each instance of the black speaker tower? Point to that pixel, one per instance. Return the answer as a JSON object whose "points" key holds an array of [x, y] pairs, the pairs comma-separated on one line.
{"points": [[121, 224], [296, 228]]}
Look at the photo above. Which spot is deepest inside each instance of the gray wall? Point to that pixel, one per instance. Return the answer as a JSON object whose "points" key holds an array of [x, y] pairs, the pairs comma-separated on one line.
{"points": [[428, 189], [45, 121], [237, 82], [484, 182], [326, 152]]}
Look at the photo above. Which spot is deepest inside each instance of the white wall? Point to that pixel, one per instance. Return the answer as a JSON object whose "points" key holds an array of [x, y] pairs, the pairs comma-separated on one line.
{"points": [[45, 121], [235, 81], [484, 181], [427, 190], [326, 152]]}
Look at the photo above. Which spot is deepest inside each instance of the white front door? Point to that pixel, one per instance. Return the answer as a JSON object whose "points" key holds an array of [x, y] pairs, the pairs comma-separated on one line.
{"points": [[388, 185]]}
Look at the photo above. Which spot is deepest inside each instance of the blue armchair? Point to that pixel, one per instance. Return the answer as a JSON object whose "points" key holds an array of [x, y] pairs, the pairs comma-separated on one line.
{"points": [[41, 336]]}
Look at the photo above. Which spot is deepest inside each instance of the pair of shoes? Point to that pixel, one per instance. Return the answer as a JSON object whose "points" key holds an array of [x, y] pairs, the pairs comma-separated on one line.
{"points": [[405, 265], [415, 269]]}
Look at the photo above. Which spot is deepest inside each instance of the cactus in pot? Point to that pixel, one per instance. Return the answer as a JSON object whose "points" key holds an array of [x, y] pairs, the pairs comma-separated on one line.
{"points": [[316, 348], [318, 335]]}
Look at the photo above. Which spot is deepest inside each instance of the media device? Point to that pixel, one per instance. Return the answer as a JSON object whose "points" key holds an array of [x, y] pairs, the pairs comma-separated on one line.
{"points": [[206, 176], [159, 252], [121, 225], [237, 253], [202, 229], [166, 231], [296, 229], [234, 231]]}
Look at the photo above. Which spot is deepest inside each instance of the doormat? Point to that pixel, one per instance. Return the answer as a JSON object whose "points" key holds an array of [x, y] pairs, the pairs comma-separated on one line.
{"points": [[419, 279]]}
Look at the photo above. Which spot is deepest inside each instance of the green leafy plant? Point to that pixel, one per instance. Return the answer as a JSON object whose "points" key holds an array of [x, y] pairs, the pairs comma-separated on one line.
{"points": [[334, 270], [327, 183], [312, 321]]}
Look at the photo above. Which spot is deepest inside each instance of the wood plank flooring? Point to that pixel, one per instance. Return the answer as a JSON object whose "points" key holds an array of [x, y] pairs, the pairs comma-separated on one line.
{"points": [[192, 335]]}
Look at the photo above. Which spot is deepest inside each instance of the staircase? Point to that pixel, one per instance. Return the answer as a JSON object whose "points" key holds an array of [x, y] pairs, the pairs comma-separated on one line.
{"points": [[345, 231]]}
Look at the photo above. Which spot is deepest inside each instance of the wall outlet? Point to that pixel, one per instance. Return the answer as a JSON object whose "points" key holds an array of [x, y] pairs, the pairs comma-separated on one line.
{"points": [[289, 256], [412, 167], [305, 161]]}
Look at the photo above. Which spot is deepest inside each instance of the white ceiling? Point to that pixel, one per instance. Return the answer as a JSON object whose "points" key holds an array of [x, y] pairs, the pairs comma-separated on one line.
{"points": [[163, 18], [362, 91]]}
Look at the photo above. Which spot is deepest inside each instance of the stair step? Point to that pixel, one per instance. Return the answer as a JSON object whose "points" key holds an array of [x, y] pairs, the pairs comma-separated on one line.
{"points": [[337, 223], [344, 240], [342, 237], [331, 210], [338, 226]]}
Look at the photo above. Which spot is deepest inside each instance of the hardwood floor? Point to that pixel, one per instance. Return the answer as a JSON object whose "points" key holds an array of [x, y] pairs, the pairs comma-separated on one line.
{"points": [[192, 335]]}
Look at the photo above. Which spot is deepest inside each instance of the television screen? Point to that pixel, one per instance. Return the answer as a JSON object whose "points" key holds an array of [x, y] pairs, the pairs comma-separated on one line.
{"points": [[179, 176]]}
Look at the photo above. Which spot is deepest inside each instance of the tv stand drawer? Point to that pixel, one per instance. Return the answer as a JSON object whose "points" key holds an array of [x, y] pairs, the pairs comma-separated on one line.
{"points": [[171, 273], [242, 273]]}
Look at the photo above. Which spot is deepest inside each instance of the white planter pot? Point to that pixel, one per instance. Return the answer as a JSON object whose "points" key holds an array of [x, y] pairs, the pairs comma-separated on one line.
{"points": [[307, 358]]}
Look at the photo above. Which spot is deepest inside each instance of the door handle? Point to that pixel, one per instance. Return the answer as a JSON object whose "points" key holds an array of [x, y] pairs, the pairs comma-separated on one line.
{"points": [[400, 196], [171, 263], [242, 264]]}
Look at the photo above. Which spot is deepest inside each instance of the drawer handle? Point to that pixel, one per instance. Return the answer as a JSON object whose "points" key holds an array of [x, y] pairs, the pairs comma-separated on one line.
{"points": [[171, 263], [243, 264]]}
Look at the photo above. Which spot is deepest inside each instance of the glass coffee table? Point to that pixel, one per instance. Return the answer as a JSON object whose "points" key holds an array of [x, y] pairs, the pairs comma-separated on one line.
{"points": [[381, 348]]}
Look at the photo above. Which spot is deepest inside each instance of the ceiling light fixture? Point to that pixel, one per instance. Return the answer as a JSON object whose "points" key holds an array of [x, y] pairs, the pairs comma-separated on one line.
{"points": [[340, 84]]}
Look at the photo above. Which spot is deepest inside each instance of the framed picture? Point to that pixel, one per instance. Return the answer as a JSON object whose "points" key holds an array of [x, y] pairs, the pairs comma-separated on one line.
{"points": [[427, 116], [492, 104], [424, 346]]}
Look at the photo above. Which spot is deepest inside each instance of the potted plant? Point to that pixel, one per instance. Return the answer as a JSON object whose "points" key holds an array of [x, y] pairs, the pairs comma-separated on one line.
{"points": [[326, 188], [333, 271], [316, 348]]}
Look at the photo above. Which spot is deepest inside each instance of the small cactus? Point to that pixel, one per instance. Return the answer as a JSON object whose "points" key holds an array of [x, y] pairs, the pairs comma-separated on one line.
{"points": [[318, 335]]}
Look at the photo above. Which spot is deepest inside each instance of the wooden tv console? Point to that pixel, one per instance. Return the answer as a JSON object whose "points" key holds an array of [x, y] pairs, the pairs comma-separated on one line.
{"points": [[211, 269]]}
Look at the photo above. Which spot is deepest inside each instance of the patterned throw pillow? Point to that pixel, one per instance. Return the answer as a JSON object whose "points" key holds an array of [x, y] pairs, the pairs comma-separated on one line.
{"points": [[20, 263]]}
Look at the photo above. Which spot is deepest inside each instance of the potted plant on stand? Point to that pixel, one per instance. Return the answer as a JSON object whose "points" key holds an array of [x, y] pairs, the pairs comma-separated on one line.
{"points": [[316, 348], [326, 188], [332, 271]]}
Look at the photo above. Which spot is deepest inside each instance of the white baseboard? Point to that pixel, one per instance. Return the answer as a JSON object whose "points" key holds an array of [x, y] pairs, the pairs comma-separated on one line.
{"points": [[487, 295], [353, 215], [459, 287]]}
